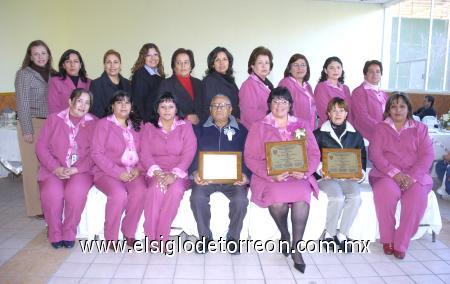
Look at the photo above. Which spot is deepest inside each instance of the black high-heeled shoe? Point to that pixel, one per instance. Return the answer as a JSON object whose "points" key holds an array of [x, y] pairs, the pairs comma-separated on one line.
{"points": [[286, 250], [300, 267]]}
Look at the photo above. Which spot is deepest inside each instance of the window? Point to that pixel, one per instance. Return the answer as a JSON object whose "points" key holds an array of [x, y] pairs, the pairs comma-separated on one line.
{"points": [[416, 45]]}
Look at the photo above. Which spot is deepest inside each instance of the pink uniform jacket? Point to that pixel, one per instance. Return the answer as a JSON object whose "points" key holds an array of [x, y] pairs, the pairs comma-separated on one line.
{"points": [[253, 100], [59, 92], [172, 152], [367, 109], [255, 158], [108, 146], [410, 152], [324, 92], [53, 143], [304, 103]]}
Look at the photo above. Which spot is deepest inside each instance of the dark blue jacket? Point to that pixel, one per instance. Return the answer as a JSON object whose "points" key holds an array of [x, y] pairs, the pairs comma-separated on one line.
{"points": [[214, 84], [144, 92], [103, 90], [211, 138]]}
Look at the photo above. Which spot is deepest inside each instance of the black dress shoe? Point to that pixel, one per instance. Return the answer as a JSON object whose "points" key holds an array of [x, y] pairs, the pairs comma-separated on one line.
{"points": [[330, 244], [39, 217], [346, 246], [207, 241], [232, 246], [300, 267], [57, 245], [68, 244]]}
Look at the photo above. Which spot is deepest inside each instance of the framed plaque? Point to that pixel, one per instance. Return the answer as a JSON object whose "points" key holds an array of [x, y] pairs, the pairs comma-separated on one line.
{"points": [[342, 163], [220, 167], [286, 156]]}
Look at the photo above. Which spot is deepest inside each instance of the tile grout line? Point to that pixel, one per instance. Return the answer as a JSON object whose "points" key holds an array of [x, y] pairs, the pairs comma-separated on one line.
{"points": [[39, 240]]}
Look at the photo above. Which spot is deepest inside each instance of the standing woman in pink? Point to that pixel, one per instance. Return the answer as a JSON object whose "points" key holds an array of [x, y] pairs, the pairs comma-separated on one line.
{"points": [[331, 84], [287, 190], [71, 75], [402, 153], [31, 101], [368, 100], [296, 78], [115, 147], [65, 175], [255, 90], [168, 148]]}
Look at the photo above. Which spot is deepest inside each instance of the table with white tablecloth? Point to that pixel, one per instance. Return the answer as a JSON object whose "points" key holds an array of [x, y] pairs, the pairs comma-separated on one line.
{"points": [[441, 143], [9, 147]]}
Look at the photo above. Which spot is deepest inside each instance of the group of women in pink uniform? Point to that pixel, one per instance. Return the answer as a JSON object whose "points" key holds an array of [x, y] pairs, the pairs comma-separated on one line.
{"points": [[142, 165]]}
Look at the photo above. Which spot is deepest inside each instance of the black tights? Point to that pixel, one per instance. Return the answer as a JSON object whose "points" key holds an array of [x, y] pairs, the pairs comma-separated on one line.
{"points": [[299, 217]]}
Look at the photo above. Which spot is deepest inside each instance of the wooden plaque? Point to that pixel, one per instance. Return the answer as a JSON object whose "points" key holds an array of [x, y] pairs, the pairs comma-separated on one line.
{"points": [[286, 156], [342, 163]]}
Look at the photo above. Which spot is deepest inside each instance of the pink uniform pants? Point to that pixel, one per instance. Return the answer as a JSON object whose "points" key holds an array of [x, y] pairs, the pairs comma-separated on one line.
{"points": [[161, 208], [413, 204], [64, 195], [122, 196]]}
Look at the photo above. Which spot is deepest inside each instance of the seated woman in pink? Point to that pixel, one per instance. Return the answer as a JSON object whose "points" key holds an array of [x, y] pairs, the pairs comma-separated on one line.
{"points": [[287, 190], [168, 148], [402, 153], [296, 78], [331, 84], [117, 172], [65, 175], [255, 90]]}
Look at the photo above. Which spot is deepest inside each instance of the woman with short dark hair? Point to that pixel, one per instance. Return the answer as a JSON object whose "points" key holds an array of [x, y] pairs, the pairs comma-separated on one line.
{"points": [[186, 89], [65, 172], [368, 100], [286, 190], [402, 153], [343, 194], [255, 90], [220, 80], [117, 173], [168, 148], [71, 75]]}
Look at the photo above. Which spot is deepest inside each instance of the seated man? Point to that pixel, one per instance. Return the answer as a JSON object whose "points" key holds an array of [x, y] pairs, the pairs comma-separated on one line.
{"points": [[427, 108], [220, 132], [443, 169]]}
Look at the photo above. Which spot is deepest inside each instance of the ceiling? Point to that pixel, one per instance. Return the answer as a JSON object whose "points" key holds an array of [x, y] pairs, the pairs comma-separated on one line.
{"points": [[366, 1]]}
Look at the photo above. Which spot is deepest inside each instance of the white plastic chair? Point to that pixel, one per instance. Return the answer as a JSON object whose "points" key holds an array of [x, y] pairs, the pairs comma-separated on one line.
{"points": [[430, 121]]}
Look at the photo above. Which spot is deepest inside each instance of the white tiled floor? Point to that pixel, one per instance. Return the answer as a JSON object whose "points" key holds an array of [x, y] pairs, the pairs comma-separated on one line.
{"points": [[426, 262]]}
